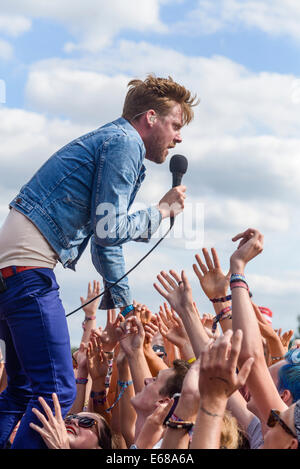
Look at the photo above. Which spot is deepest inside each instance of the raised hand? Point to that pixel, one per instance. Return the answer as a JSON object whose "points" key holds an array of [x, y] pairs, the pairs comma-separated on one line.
{"points": [[285, 338], [131, 335], [177, 290], [171, 327], [97, 362], [92, 291], [80, 357], [53, 431], [212, 280], [251, 244], [151, 329], [109, 336], [218, 378]]}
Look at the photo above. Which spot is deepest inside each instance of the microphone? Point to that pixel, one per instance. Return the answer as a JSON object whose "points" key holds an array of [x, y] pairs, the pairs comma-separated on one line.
{"points": [[178, 167]]}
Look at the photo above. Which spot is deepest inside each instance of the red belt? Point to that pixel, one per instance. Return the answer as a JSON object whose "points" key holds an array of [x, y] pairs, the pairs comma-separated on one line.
{"points": [[9, 271]]}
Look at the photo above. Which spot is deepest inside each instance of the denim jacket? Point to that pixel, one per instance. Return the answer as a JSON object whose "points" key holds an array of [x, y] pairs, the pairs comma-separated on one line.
{"points": [[83, 192]]}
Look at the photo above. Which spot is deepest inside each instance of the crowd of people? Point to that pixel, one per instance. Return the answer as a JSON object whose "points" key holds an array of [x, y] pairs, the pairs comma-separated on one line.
{"points": [[177, 379]]}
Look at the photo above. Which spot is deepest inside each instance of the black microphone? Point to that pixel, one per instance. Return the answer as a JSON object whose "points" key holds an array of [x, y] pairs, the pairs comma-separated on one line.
{"points": [[178, 167]]}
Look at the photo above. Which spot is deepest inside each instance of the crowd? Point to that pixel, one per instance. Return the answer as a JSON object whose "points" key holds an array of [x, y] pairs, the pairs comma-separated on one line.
{"points": [[177, 379]]}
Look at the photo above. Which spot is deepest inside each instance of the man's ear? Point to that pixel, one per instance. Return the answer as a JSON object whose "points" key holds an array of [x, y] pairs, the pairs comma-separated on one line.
{"points": [[286, 396], [294, 444], [151, 116]]}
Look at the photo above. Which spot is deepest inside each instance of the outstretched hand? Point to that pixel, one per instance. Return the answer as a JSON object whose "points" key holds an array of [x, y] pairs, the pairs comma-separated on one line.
{"points": [[131, 335], [92, 292], [53, 431], [218, 378], [109, 336], [251, 244], [177, 290], [212, 280]]}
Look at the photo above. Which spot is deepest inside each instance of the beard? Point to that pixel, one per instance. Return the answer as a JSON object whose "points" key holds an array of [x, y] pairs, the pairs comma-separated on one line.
{"points": [[156, 150]]}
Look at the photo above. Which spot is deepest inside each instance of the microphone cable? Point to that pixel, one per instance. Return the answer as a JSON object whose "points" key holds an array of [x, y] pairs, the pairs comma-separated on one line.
{"points": [[127, 273]]}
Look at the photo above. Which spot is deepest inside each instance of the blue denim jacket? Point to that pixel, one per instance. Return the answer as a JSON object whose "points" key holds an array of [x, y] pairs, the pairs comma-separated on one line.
{"points": [[69, 196]]}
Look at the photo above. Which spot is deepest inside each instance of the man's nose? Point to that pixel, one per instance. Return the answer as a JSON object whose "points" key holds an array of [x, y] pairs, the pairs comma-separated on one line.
{"points": [[178, 138]]}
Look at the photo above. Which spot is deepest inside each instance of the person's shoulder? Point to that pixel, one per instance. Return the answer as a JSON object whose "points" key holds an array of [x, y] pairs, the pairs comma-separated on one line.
{"points": [[120, 132]]}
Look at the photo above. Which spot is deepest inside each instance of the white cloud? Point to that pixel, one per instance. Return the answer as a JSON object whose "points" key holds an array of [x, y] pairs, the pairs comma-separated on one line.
{"points": [[6, 50], [289, 285], [94, 24], [84, 96], [14, 25], [274, 17], [241, 103], [27, 140]]}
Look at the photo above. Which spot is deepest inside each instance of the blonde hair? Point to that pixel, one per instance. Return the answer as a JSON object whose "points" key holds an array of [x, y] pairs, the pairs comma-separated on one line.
{"points": [[159, 94], [230, 436]]}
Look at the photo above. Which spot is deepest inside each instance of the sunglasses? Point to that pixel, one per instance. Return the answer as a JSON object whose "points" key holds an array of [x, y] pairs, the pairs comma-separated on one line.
{"points": [[274, 418], [84, 422]]}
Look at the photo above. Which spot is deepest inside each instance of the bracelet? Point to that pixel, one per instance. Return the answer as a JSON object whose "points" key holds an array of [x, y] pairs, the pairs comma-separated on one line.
{"points": [[179, 425], [277, 358], [219, 317], [127, 310], [123, 385], [227, 316], [237, 277], [100, 401], [81, 380], [191, 360], [175, 418], [96, 394], [221, 300], [239, 285]]}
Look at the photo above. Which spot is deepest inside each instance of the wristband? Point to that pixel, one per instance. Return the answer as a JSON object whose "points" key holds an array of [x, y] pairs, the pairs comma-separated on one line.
{"points": [[127, 310], [97, 394], [123, 385], [219, 317], [239, 285], [191, 360], [179, 425], [100, 401], [81, 380], [221, 300], [237, 277]]}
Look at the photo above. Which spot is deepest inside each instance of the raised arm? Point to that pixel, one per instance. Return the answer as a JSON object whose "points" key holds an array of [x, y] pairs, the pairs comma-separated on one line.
{"points": [[127, 413], [177, 291], [131, 336], [218, 380], [215, 285], [90, 310], [260, 383]]}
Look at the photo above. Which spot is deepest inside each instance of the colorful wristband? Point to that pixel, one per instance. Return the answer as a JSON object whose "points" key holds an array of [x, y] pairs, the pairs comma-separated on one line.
{"points": [[81, 380], [191, 360], [221, 300], [219, 317], [127, 310], [239, 285]]}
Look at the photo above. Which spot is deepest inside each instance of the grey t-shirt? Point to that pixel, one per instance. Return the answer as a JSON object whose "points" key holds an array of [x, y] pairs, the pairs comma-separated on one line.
{"points": [[254, 433]]}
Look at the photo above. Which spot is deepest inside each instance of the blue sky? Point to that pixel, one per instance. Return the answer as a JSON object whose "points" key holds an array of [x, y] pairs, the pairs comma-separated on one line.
{"points": [[66, 67]]}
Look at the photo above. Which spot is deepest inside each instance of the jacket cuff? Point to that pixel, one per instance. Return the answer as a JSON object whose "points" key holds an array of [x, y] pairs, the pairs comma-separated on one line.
{"points": [[116, 297]]}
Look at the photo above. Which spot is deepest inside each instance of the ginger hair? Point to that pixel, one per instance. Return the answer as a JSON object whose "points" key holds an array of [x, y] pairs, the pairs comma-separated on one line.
{"points": [[159, 94]]}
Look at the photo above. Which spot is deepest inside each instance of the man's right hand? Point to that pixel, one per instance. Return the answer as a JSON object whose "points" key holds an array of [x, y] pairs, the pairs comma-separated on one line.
{"points": [[172, 202]]}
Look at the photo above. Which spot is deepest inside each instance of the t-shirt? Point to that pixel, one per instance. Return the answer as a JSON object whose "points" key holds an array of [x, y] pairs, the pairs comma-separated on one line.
{"points": [[254, 433]]}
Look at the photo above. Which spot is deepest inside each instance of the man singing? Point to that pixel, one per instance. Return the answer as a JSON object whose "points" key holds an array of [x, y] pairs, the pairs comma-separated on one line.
{"points": [[83, 192]]}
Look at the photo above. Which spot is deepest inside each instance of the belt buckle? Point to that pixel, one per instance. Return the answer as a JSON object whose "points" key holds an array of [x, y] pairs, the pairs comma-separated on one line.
{"points": [[3, 286]]}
